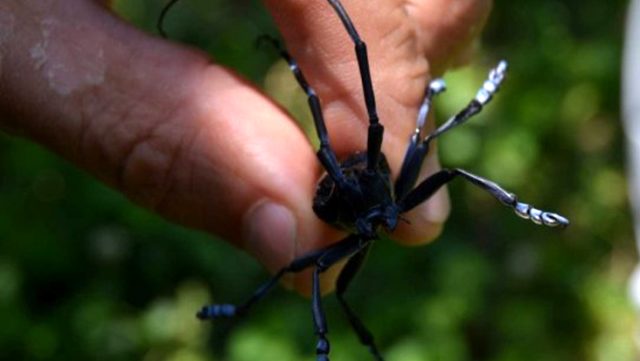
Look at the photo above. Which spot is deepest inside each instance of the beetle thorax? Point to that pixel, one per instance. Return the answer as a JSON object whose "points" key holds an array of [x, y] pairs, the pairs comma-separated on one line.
{"points": [[365, 204]]}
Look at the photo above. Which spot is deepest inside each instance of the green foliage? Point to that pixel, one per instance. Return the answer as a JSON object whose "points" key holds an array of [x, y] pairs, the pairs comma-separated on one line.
{"points": [[85, 275]]}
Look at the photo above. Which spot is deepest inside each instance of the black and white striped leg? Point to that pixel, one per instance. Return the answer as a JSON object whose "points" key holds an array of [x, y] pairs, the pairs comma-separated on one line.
{"points": [[482, 98], [376, 129], [346, 276], [430, 185], [325, 154], [416, 151]]}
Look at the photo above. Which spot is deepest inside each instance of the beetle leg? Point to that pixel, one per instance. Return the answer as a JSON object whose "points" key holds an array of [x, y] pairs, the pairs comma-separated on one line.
{"points": [[333, 255], [376, 130], [430, 185], [346, 276], [211, 312], [228, 310], [319, 319], [326, 155], [416, 151]]}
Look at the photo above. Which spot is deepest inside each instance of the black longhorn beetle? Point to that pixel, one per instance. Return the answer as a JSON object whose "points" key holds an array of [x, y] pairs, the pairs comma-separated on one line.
{"points": [[357, 195]]}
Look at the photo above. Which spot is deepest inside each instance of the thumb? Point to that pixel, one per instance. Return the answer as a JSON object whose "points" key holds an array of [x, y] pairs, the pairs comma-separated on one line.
{"points": [[157, 121]]}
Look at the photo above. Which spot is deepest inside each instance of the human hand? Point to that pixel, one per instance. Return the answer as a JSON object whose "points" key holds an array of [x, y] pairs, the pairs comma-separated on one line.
{"points": [[192, 141]]}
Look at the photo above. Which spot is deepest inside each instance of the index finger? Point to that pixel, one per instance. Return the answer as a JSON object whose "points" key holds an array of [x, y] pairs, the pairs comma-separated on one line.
{"points": [[399, 72]]}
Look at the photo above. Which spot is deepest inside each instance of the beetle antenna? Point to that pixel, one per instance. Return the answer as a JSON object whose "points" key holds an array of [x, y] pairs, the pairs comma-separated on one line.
{"points": [[163, 14], [483, 97]]}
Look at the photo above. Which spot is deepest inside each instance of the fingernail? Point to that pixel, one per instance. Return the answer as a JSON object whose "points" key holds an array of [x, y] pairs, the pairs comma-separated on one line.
{"points": [[270, 234]]}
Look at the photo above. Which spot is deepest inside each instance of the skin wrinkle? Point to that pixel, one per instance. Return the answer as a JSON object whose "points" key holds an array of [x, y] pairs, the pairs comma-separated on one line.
{"points": [[417, 74], [132, 121], [127, 179], [402, 41], [109, 113], [128, 160], [188, 175], [92, 106], [93, 143], [407, 34], [187, 149], [159, 189], [139, 168], [89, 109], [206, 214], [165, 206], [166, 181]]}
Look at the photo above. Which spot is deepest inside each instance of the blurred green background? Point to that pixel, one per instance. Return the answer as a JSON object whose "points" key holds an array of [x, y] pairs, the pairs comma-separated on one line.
{"points": [[85, 275]]}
